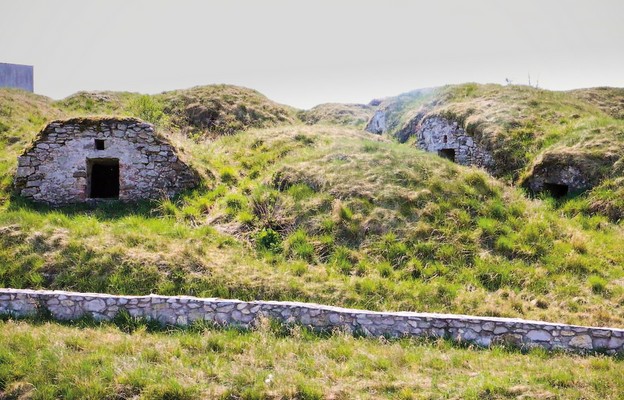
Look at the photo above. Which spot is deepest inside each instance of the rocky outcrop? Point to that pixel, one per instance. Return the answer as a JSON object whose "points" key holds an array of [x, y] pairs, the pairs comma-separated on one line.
{"points": [[58, 168], [377, 123], [184, 310]]}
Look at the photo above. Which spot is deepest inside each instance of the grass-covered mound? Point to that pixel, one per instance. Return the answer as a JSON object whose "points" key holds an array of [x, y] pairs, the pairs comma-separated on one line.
{"points": [[608, 99], [356, 115], [48, 360], [222, 110], [200, 111], [330, 215], [519, 123]]}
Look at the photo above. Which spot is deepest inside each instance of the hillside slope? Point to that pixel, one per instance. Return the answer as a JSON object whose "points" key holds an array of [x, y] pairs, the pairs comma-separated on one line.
{"points": [[523, 127], [330, 215], [534, 137], [608, 99], [322, 213]]}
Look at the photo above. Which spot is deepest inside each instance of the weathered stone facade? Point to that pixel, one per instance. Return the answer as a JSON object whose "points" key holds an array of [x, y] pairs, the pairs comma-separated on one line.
{"points": [[561, 172], [183, 310], [443, 136], [569, 178], [60, 166]]}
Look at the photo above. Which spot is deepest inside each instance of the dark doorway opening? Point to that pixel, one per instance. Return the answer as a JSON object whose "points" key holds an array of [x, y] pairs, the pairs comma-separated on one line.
{"points": [[449, 154], [556, 190], [103, 178]]}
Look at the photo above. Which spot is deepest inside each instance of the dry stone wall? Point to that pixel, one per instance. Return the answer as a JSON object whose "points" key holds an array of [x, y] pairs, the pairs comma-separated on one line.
{"points": [[183, 310], [436, 133], [56, 168]]}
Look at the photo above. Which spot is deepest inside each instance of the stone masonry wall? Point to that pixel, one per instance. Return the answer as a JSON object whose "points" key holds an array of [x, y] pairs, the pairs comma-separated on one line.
{"points": [[55, 169], [183, 310], [436, 133]]}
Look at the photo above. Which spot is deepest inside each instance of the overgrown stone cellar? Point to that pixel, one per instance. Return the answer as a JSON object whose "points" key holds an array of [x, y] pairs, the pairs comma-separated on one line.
{"points": [[86, 159], [449, 140]]}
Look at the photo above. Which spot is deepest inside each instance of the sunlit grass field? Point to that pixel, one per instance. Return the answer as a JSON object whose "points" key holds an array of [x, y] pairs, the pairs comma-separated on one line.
{"points": [[91, 361]]}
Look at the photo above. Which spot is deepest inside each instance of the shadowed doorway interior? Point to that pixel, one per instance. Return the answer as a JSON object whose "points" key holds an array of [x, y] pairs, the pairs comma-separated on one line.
{"points": [[556, 190], [103, 176], [449, 154]]}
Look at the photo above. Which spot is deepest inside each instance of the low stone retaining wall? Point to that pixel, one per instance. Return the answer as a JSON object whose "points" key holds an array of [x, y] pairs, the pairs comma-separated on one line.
{"points": [[184, 310]]}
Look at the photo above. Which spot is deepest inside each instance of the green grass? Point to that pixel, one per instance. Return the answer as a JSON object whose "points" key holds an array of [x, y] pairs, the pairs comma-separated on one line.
{"points": [[119, 360], [330, 215]]}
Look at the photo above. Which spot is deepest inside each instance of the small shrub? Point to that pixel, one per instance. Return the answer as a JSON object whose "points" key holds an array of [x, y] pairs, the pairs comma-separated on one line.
{"points": [[577, 264], [413, 268], [344, 213], [228, 175], [493, 276], [370, 147], [167, 208], [393, 250], [385, 269], [299, 268], [304, 139], [246, 218], [148, 109], [300, 191], [235, 203], [506, 245], [598, 284], [341, 260], [268, 239], [327, 225], [128, 324], [305, 391], [299, 246], [269, 208]]}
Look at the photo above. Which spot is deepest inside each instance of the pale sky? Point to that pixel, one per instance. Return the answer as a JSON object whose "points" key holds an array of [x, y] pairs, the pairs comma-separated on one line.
{"points": [[303, 53]]}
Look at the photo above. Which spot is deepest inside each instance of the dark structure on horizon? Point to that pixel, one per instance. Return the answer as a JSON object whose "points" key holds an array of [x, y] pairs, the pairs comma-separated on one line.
{"points": [[17, 76]]}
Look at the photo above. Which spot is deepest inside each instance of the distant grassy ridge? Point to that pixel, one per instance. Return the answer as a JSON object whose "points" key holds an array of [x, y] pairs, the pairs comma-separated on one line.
{"points": [[356, 115]]}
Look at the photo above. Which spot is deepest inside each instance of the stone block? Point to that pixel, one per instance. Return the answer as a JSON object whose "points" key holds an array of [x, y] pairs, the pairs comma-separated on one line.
{"points": [[581, 342]]}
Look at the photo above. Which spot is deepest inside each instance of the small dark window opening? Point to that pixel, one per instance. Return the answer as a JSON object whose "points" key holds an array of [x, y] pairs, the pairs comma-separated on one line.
{"points": [[556, 190], [445, 139], [99, 144], [449, 154], [103, 174]]}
